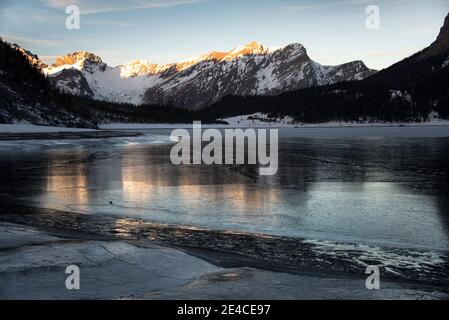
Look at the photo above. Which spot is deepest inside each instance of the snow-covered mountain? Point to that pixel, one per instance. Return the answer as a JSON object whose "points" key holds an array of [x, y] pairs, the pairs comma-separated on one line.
{"points": [[251, 69], [26, 96], [31, 57]]}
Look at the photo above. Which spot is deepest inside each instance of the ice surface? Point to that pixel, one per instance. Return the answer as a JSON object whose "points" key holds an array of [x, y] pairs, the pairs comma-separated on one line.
{"points": [[366, 193], [141, 270], [29, 128]]}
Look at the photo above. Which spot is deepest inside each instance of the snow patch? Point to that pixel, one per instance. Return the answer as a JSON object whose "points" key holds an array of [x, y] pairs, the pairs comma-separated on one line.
{"points": [[246, 70], [263, 120], [446, 63], [266, 80], [398, 94], [259, 120]]}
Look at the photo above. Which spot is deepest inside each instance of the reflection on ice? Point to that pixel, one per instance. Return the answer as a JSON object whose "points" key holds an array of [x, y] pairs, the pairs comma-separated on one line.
{"points": [[21, 145], [364, 190]]}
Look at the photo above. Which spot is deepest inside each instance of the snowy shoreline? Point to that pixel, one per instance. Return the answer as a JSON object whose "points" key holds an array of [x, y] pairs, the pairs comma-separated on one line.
{"points": [[243, 122], [275, 253], [149, 126], [235, 122], [35, 270], [260, 119], [381, 130]]}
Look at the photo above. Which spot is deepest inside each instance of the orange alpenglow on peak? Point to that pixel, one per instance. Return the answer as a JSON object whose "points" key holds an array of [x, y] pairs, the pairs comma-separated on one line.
{"points": [[252, 48]]}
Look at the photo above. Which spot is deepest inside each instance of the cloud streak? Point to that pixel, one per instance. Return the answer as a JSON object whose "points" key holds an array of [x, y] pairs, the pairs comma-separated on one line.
{"points": [[97, 6], [320, 5], [107, 23], [316, 5], [27, 42]]}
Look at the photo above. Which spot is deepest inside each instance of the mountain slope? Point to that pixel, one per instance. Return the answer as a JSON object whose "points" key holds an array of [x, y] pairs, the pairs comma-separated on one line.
{"points": [[25, 94], [247, 70], [411, 90], [84, 74], [418, 67]]}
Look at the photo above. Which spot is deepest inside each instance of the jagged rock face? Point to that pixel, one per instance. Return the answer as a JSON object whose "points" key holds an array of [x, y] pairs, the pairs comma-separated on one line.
{"points": [[247, 70], [444, 32], [443, 36], [349, 71], [25, 94], [86, 61], [72, 81], [32, 58], [419, 67]]}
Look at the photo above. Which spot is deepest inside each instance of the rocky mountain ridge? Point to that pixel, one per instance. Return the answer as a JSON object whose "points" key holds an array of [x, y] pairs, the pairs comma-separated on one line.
{"points": [[252, 69]]}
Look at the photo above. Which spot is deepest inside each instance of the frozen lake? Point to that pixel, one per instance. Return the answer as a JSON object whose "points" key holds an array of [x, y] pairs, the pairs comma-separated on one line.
{"points": [[365, 185]]}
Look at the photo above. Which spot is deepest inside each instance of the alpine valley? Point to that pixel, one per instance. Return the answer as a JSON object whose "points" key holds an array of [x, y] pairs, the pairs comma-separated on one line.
{"points": [[79, 89], [251, 69]]}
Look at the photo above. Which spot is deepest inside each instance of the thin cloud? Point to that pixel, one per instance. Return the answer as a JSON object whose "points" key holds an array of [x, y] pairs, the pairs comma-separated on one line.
{"points": [[96, 6], [368, 55], [28, 42], [42, 16], [419, 32], [389, 53], [26, 14], [46, 17], [48, 59], [106, 22], [320, 5]]}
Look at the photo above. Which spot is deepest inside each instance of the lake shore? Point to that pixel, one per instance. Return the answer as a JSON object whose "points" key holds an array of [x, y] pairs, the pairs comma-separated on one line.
{"points": [[98, 134], [128, 236], [9, 132], [33, 263], [244, 122], [133, 259]]}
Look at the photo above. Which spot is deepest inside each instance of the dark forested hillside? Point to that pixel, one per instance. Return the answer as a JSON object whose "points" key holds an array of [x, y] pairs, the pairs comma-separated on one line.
{"points": [[354, 101], [407, 91]]}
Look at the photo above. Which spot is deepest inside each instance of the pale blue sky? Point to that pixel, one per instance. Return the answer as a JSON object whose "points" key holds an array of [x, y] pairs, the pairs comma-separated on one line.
{"points": [[164, 31]]}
